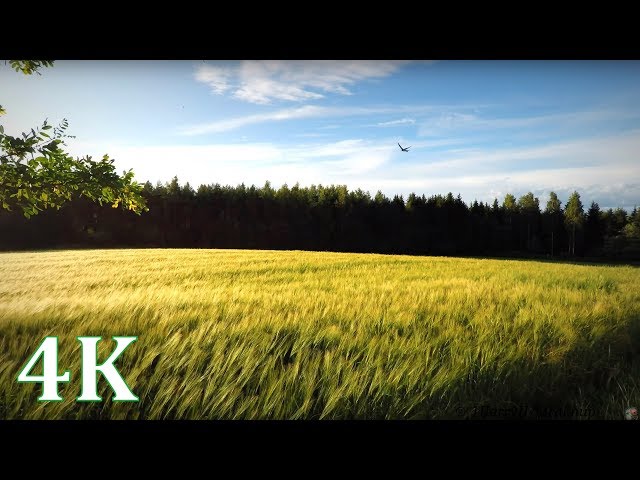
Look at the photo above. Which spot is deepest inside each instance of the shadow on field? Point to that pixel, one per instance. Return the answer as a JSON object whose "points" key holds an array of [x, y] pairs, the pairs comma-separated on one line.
{"points": [[595, 262], [597, 379]]}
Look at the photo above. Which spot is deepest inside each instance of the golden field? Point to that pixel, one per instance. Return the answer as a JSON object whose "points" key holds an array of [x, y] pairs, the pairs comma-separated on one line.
{"points": [[242, 334]]}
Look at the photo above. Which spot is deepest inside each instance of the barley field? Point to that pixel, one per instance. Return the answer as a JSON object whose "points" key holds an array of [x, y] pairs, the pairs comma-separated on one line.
{"points": [[241, 334]]}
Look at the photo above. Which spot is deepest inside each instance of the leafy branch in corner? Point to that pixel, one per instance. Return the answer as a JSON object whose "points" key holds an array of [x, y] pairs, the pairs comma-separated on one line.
{"points": [[36, 173]]}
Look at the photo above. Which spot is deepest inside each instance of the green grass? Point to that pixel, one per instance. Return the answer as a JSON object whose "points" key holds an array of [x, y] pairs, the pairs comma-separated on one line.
{"points": [[229, 334]]}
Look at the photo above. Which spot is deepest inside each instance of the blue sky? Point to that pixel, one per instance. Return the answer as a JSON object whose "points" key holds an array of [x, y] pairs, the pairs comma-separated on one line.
{"points": [[478, 128]]}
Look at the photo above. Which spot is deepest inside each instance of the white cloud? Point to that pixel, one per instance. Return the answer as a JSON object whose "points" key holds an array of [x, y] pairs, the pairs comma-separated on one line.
{"points": [[297, 113], [247, 163], [604, 169], [396, 123], [216, 77], [263, 82], [347, 157], [307, 111], [620, 150]]}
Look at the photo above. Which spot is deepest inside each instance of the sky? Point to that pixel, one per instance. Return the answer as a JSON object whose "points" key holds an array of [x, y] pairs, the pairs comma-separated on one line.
{"points": [[478, 128]]}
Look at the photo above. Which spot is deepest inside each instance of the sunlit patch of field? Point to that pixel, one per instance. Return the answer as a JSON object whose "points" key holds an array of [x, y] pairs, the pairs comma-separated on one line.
{"points": [[306, 335]]}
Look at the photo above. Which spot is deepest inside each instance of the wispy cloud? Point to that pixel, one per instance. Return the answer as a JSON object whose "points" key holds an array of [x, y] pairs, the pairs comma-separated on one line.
{"points": [[263, 82], [311, 135], [307, 111], [216, 77], [397, 123], [302, 112], [448, 121]]}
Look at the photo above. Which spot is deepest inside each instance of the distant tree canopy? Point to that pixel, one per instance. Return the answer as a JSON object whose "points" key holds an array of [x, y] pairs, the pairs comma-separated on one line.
{"points": [[554, 205], [326, 218], [509, 203], [36, 173]]}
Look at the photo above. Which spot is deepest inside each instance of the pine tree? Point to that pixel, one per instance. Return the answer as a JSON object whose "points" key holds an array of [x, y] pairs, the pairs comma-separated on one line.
{"points": [[632, 229], [509, 206], [529, 205], [574, 218], [594, 226], [554, 212]]}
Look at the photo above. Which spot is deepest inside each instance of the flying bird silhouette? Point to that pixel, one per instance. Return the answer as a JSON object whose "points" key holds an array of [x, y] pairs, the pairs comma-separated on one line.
{"points": [[404, 149]]}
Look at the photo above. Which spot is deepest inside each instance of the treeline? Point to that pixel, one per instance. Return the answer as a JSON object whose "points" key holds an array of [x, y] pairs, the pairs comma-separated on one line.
{"points": [[332, 218]]}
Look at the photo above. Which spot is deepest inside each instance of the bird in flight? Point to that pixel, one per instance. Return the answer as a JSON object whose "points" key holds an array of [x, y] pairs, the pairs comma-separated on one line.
{"points": [[404, 149]]}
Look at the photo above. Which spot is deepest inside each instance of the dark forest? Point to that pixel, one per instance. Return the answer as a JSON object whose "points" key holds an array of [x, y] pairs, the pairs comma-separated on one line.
{"points": [[332, 218]]}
